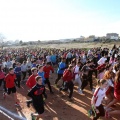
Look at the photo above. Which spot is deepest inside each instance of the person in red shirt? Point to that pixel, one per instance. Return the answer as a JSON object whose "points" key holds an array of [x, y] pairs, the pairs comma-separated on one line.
{"points": [[10, 85], [47, 68], [2, 77], [31, 82], [68, 83]]}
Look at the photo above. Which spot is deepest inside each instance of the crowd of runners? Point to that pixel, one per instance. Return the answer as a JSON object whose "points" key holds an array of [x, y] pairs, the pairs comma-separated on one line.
{"points": [[33, 66]]}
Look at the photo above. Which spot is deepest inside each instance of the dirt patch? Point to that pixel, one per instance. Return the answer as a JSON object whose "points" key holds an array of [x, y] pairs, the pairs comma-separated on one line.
{"points": [[57, 106]]}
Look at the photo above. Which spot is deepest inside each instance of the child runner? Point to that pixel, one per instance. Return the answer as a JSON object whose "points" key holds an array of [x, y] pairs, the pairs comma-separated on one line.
{"points": [[10, 84], [116, 95], [47, 68], [68, 83], [76, 74], [36, 93], [110, 87], [24, 70], [61, 68], [18, 74], [85, 79], [29, 66], [2, 77], [41, 73], [97, 99], [31, 82]]}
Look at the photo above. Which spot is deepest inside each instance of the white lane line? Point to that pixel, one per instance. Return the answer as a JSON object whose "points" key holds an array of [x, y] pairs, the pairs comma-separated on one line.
{"points": [[3, 110], [6, 115]]}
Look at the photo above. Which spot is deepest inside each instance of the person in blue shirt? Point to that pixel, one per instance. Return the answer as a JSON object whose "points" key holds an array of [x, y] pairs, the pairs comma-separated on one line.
{"points": [[34, 64], [99, 56], [53, 59], [41, 73], [61, 68], [17, 71]]}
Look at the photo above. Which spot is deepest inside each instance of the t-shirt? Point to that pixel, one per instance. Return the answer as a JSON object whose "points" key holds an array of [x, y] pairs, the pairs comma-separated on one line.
{"points": [[102, 60], [76, 72], [31, 81], [48, 58], [10, 78], [99, 94]]}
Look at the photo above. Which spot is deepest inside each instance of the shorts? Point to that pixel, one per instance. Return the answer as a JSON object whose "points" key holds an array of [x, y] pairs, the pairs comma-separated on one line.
{"points": [[1, 81], [9, 90], [101, 110]]}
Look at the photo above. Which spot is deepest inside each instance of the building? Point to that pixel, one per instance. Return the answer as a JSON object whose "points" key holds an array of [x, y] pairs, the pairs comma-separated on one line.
{"points": [[91, 38], [112, 36]]}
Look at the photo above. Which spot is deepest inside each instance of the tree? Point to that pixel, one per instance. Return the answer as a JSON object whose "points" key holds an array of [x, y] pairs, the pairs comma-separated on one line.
{"points": [[39, 41], [21, 42], [2, 37]]}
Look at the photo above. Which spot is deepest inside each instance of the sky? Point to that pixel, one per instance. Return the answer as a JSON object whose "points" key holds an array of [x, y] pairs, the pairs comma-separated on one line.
{"points": [[32, 20]]}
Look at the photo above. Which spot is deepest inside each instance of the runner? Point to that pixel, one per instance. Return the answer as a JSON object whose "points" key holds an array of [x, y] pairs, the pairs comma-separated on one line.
{"points": [[61, 68], [10, 85], [97, 98], [47, 68], [77, 76], [68, 83], [36, 93], [31, 82]]}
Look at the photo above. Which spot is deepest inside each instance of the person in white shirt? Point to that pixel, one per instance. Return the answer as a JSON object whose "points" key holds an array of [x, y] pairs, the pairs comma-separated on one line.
{"points": [[76, 72], [97, 99], [48, 58], [89, 52], [84, 59], [9, 64], [29, 66], [68, 57], [4, 63], [24, 69], [102, 60]]}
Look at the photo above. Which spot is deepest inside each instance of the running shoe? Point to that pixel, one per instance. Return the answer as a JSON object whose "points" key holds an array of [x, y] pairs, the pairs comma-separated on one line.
{"points": [[33, 118], [90, 113], [80, 92], [17, 104], [107, 115], [4, 95]]}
